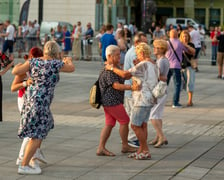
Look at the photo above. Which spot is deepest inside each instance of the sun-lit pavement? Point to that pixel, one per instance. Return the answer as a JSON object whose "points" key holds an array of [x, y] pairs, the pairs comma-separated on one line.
{"points": [[195, 135]]}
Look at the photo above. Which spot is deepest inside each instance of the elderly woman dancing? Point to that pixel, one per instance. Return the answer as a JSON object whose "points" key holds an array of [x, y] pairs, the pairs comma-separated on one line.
{"points": [[112, 89], [37, 119], [144, 74], [160, 48]]}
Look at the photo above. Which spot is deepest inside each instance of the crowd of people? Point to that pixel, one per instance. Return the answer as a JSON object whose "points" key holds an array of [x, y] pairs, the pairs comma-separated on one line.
{"points": [[176, 51], [126, 82], [215, 34]]}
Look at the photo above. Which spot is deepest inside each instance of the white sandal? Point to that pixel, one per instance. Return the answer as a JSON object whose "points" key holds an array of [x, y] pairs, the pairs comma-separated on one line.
{"points": [[143, 156]]}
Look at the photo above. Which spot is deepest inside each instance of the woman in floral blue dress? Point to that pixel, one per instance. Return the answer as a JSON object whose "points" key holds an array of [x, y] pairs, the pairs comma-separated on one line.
{"points": [[37, 119]]}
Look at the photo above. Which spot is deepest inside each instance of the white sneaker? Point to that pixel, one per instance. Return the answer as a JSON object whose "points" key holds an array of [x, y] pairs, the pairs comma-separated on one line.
{"points": [[18, 161], [28, 170], [40, 156], [34, 163]]}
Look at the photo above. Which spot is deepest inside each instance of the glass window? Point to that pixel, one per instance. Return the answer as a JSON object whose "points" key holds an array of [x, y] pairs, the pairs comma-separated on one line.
{"points": [[180, 21], [121, 2], [200, 15], [214, 17], [180, 12]]}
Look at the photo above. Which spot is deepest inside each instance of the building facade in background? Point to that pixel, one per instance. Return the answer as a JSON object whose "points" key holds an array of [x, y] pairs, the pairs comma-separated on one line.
{"points": [[207, 12], [98, 12], [10, 9]]}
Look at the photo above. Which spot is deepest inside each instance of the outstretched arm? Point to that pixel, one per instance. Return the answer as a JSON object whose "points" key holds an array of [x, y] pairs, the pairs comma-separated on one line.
{"points": [[119, 72], [122, 87], [20, 69], [6, 69]]}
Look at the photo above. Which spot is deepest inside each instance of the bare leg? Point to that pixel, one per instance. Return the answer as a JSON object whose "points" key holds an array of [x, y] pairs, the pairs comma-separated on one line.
{"points": [[157, 124], [220, 70], [105, 134], [156, 127], [223, 70], [162, 139], [124, 137], [190, 96], [140, 133], [160, 123], [31, 148], [155, 140]]}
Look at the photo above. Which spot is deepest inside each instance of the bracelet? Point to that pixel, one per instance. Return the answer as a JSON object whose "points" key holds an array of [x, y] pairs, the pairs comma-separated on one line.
{"points": [[112, 68], [24, 84]]}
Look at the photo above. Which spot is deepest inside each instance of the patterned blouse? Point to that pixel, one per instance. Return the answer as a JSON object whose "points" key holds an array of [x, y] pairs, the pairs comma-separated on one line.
{"points": [[146, 74], [109, 95], [37, 119]]}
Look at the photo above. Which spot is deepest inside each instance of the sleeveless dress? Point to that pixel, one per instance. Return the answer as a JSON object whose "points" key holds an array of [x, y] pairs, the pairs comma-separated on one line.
{"points": [[36, 118]]}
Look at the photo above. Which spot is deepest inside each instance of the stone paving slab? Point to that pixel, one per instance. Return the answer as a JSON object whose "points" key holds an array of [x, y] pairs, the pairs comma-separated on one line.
{"points": [[195, 135], [193, 172]]}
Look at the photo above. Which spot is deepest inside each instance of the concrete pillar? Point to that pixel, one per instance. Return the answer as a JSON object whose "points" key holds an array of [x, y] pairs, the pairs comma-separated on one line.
{"points": [[129, 11], [207, 17], [189, 8], [11, 10], [174, 12], [105, 12], [221, 18], [114, 15]]}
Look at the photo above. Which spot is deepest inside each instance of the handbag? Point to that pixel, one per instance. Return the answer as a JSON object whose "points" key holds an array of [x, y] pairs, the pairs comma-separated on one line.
{"points": [[95, 95], [160, 89], [187, 60], [4, 60]]}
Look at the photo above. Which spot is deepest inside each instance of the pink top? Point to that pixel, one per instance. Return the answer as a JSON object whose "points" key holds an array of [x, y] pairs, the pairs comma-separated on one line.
{"points": [[21, 92]]}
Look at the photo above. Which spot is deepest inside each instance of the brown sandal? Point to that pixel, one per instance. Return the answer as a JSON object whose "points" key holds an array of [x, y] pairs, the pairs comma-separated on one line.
{"points": [[105, 152]]}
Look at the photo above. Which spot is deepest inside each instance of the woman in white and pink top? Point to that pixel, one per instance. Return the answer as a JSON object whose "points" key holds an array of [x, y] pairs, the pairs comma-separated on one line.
{"points": [[19, 84]]}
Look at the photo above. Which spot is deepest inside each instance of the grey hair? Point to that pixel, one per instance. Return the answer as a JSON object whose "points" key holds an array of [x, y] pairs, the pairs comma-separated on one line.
{"points": [[111, 49], [51, 49]]}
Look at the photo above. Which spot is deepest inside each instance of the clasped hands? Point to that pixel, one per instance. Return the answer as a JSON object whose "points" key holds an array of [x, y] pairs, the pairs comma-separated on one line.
{"points": [[67, 60]]}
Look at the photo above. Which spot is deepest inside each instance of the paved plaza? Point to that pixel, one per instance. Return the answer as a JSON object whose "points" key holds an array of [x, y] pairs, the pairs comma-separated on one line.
{"points": [[196, 134]]}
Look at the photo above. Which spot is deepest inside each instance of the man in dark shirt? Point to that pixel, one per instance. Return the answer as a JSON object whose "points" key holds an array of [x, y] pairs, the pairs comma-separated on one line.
{"points": [[220, 56]]}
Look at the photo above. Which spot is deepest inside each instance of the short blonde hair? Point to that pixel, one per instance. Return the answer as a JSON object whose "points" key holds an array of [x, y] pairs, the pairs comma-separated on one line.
{"points": [[182, 36], [143, 47], [161, 44], [111, 49], [51, 49]]}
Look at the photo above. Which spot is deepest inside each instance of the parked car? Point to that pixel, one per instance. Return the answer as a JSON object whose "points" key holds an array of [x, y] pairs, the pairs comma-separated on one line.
{"points": [[183, 22], [46, 26]]}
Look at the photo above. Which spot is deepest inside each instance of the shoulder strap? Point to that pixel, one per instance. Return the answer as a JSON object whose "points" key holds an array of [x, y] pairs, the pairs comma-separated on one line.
{"points": [[174, 50]]}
